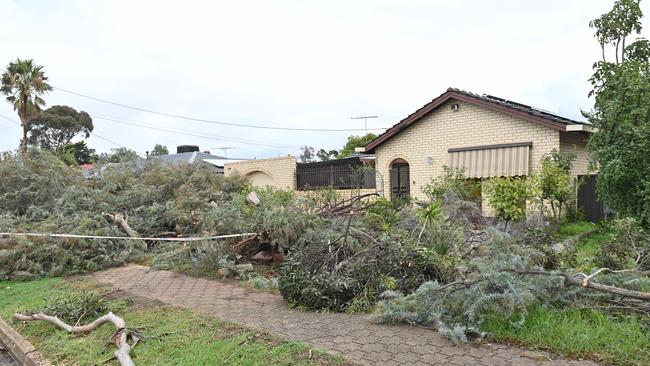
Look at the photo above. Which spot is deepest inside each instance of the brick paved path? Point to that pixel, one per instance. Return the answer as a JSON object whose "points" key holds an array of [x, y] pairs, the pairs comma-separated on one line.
{"points": [[354, 336]]}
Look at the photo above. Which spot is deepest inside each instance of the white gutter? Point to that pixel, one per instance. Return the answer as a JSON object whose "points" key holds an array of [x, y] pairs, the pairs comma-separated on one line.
{"points": [[580, 128]]}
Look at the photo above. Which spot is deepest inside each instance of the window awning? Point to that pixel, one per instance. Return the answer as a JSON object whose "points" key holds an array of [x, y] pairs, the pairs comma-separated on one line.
{"points": [[492, 160]]}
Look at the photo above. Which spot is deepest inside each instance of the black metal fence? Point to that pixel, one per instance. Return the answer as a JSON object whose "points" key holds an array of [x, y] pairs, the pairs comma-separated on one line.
{"points": [[588, 202], [344, 173]]}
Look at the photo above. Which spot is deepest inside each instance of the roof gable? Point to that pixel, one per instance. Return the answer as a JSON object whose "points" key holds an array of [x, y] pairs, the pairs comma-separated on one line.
{"points": [[519, 110]]}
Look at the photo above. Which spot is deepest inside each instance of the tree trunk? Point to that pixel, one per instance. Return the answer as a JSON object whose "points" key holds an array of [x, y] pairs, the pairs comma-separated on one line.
{"points": [[119, 220], [25, 125]]}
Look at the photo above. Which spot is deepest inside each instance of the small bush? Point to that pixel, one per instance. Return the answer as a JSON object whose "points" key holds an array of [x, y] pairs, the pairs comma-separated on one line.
{"points": [[628, 246], [75, 307], [453, 182], [507, 196]]}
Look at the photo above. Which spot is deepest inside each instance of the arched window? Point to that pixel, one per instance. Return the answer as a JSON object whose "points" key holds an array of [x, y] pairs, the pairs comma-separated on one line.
{"points": [[259, 178]]}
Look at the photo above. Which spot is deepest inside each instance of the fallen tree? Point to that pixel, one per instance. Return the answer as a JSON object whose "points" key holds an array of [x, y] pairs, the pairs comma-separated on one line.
{"points": [[504, 286], [120, 337], [346, 206], [121, 221]]}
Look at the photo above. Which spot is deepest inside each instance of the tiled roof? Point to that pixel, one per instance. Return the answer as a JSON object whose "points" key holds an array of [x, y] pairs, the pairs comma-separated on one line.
{"points": [[521, 107], [531, 114]]}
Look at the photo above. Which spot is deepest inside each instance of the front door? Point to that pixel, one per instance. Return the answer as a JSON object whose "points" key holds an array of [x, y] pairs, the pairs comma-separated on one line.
{"points": [[399, 178]]}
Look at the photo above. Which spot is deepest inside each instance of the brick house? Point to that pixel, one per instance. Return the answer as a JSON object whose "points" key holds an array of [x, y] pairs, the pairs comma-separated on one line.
{"points": [[277, 172], [484, 135]]}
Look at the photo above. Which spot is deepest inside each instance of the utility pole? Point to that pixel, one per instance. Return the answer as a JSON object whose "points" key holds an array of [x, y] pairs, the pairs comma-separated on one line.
{"points": [[365, 120]]}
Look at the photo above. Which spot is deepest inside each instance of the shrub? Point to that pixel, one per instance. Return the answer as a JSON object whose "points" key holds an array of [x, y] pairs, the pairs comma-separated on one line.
{"points": [[74, 307], [507, 196], [553, 181], [380, 215], [628, 246], [455, 182]]}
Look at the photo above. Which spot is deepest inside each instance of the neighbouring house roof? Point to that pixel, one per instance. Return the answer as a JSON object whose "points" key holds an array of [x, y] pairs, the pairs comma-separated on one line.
{"points": [[525, 112], [186, 157], [215, 162]]}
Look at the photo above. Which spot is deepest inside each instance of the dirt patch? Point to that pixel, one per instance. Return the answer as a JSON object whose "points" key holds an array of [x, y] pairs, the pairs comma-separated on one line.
{"points": [[136, 302]]}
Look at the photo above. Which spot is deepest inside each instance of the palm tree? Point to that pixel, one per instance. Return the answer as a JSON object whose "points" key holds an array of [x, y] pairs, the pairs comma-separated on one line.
{"points": [[23, 83]]}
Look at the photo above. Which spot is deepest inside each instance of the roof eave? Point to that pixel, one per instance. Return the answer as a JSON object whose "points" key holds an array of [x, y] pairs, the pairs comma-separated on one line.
{"points": [[451, 94], [581, 128]]}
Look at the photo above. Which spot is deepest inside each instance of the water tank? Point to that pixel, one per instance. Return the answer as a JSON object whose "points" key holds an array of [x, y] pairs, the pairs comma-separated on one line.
{"points": [[186, 148]]}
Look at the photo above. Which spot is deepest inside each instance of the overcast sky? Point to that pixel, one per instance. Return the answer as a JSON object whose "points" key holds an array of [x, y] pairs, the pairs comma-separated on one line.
{"points": [[310, 64]]}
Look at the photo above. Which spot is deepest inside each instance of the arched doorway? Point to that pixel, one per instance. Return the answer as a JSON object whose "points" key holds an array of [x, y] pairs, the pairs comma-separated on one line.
{"points": [[400, 187], [259, 178]]}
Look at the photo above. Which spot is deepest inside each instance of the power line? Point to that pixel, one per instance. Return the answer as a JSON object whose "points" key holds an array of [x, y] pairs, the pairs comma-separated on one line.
{"points": [[94, 134], [9, 119], [194, 134], [108, 140], [211, 121]]}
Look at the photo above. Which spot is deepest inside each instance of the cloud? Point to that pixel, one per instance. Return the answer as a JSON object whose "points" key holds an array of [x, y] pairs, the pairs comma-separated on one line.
{"points": [[292, 63]]}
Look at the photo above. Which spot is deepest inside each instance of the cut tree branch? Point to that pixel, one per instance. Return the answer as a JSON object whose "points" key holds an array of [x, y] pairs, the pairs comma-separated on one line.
{"points": [[120, 336], [575, 280]]}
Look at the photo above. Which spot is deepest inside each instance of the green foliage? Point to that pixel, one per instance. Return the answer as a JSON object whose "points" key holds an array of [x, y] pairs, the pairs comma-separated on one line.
{"points": [[354, 142], [24, 83], [74, 307], [159, 150], [57, 126], [306, 154], [380, 215], [187, 338], [325, 196], [31, 183], [584, 333], [458, 309], [328, 270], [324, 155], [81, 152], [507, 196], [41, 194], [621, 113], [455, 182], [553, 182], [119, 155], [587, 249], [628, 246], [264, 283], [573, 228]]}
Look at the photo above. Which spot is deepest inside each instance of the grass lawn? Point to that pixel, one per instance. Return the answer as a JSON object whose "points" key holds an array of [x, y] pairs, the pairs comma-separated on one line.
{"points": [[570, 229], [188, 337], [579, 333]]}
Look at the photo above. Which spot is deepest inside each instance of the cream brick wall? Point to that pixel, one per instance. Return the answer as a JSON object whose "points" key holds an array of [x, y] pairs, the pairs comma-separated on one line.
{"points": [[443, 129], [281, 170], [576, 142]]}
